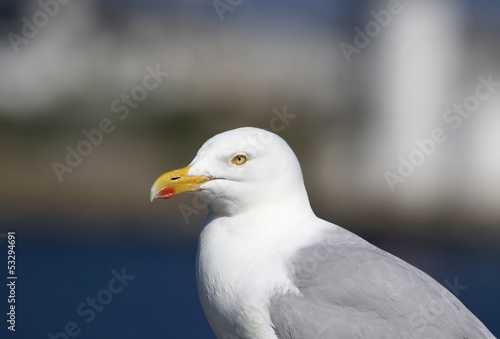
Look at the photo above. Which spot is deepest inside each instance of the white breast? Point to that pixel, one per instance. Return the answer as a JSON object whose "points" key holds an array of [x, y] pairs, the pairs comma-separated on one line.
{"points": [[239, 268]]}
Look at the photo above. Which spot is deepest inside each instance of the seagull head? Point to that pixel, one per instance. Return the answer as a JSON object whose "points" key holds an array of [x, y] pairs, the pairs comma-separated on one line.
{"points": [[238, 170]]}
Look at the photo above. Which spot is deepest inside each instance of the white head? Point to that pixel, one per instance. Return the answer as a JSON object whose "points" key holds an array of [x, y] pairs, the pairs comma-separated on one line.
{"points": [[238, 170]]}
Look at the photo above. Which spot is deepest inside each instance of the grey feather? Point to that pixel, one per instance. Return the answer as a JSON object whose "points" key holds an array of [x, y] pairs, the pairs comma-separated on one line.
{"points": [[352, 289]]}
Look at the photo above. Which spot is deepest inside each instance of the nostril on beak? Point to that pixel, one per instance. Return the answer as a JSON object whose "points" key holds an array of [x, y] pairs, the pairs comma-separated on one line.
{"points": [[175, 178]]}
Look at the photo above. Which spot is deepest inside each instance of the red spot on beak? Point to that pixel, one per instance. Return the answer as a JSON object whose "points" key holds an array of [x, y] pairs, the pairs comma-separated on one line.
{"points": [[166, 193]]}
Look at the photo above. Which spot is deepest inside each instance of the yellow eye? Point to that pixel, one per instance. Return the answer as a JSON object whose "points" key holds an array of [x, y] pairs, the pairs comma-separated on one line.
{"points": [[239, 159]]}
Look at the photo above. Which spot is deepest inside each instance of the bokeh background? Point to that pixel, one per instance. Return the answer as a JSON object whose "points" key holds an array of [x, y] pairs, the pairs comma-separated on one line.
{"points": [[232, 64]]}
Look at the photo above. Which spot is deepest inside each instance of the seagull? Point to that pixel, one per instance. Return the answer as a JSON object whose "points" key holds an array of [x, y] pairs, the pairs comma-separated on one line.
{"points": [[268, 268]]}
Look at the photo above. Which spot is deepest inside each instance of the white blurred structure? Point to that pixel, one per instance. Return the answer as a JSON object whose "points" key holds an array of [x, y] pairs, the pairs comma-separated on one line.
{"points": [[481, 155], [417, 64]]}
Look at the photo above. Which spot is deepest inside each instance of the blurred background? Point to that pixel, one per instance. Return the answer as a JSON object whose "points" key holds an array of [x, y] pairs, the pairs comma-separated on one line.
{"points": [[89, 119]]}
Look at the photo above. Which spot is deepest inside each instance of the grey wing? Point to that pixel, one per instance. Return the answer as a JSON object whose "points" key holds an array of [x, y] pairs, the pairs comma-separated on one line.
{"points": [[352, 289]]}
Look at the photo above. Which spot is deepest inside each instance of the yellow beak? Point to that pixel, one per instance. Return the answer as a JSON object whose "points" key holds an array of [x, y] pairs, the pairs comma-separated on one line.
{"points": [[176, 182]]}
